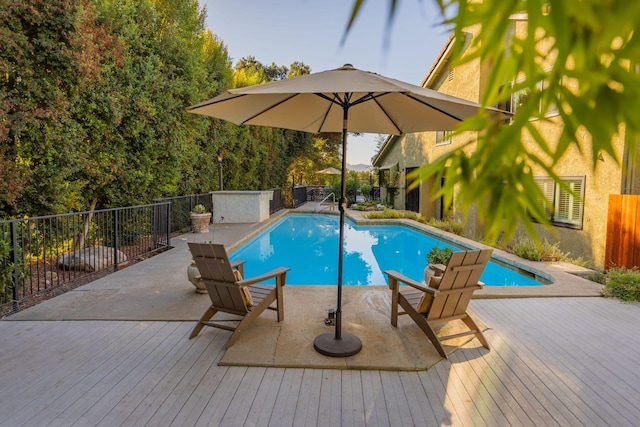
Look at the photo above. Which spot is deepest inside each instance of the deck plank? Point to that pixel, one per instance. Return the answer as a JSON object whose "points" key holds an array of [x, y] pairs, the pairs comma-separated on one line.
{"points": [[309, 398], [417, 400], [181, 397], [265, 399], [457, 396], [110, 380], [571, 368], [571, 361], [123, 397], [473, 387], [352, 399], [397, 406], [553, 343], [240, 405], [330, 399], [54, 348], [211, 407], [489, 367], [79, 379], [197, 358], [375, 408], [549, 372], [436, 394], [285, 406]]}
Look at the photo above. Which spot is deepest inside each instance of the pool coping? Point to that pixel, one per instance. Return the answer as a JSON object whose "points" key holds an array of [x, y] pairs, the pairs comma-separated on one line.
{"points": [[565, 278]]}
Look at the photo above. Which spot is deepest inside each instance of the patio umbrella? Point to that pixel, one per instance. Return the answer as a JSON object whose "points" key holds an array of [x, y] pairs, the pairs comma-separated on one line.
{"points": [[330, 171], [342, 100]]}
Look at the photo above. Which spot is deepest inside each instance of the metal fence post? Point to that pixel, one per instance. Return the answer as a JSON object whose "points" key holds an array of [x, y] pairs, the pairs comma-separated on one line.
{"points": [[168, 224], [115, 239], [14, 259]]}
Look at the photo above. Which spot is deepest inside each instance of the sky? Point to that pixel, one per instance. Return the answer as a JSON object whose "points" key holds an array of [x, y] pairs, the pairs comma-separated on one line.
{"points": [[311, 31]]}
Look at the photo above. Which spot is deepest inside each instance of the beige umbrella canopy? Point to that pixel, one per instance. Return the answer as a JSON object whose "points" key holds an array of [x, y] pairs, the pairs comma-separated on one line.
{"points": [[316, 103], [330, 171], [342, 100]]}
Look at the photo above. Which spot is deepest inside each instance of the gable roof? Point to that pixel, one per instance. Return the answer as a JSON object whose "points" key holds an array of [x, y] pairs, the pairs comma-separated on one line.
{"points": [[438, 66]]}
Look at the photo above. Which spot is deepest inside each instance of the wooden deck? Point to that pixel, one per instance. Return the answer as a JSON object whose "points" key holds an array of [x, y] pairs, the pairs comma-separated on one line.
{"points": [[554, 361]]}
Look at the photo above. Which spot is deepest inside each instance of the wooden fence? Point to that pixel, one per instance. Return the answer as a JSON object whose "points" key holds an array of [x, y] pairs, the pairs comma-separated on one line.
{"points": [[623, 233]]}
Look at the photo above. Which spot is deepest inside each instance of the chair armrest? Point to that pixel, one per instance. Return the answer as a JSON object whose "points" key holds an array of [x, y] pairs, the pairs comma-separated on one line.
{"points": [[266, 276], [235, 264], [404, 279], [438, 268], [239, 264]]}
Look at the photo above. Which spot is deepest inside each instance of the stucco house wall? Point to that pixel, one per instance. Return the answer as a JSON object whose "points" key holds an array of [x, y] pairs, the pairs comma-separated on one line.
{"points": [[604, 178]]}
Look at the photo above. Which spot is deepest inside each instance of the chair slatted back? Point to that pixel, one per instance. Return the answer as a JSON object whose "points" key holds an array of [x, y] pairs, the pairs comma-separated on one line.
{"points": [[459, 280], [218, 276]]}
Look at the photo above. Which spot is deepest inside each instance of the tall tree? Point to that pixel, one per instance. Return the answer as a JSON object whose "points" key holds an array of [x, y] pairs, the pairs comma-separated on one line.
{"points": [[37, 134], [298, 69]]}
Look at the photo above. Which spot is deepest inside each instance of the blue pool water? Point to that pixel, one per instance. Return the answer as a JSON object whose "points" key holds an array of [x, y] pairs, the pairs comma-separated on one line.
{"points": [[308, 244]]}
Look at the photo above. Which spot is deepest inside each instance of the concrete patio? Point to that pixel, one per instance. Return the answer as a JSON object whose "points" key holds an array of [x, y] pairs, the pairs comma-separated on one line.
{"points": [[115, 352]]}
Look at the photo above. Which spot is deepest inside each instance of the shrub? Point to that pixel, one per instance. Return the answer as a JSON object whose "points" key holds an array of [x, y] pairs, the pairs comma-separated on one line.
{"points": [[597, 277], [623, 284], [388, 213], [365, 189], [526, 248], [367, 205], [450, 225]]}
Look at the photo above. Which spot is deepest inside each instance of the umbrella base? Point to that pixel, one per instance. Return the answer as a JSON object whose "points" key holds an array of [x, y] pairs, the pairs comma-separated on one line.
{"points": [[346, 346]]}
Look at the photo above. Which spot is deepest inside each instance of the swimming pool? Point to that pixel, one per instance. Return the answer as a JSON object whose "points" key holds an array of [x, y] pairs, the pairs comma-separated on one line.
{"points": [[308, 244]]}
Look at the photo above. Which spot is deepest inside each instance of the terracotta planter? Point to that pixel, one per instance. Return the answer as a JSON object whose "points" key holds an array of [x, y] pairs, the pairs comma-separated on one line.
{"points": [[200, 222]]}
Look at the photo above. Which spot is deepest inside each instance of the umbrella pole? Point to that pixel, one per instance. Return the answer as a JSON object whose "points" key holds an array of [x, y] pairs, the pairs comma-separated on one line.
{"points": [[339, 344]]}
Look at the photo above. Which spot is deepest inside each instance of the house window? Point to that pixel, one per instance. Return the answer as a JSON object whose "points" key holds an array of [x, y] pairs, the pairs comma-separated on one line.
{"points": [[388, 176], [443, 137], [564, 206], [519, 98]]}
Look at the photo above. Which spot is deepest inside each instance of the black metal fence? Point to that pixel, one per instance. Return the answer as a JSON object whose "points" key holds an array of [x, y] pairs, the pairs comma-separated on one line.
{"points": [[181, 206], [299, 196], [43, 256], [318, 193], [277, 202]]}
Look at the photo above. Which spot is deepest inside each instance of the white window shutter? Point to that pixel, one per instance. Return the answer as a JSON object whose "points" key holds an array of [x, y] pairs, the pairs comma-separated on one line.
{"points": [[569, 206], [547, 187]]}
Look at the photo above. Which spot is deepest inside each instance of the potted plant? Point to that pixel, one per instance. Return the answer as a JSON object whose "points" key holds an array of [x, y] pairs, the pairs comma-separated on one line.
{"points": [[436, 256], [200, 219], [439, 255]]}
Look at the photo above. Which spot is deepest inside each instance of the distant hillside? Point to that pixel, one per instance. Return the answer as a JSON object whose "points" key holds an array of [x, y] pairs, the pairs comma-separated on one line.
{"points": [[360, 167]]}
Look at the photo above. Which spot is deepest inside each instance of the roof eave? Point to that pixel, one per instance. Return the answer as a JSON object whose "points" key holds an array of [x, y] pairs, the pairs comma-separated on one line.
{"points": [[440, 63]]}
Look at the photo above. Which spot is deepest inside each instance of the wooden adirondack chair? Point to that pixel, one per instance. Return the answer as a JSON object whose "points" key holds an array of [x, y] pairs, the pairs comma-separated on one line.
{"points": [[445, 299], [232, 294]]}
